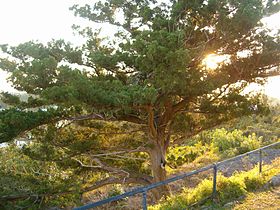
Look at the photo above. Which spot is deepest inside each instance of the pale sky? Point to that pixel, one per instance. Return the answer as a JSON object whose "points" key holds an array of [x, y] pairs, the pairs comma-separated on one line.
{"points": [[25, 20], [43, 20]]}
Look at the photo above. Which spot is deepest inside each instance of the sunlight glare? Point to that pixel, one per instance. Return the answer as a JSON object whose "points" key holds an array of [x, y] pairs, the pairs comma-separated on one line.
{"points": [[212, 61]]}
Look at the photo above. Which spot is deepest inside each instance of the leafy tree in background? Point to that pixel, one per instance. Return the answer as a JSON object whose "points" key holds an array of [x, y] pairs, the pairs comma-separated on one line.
{"points": [[114, 106]]}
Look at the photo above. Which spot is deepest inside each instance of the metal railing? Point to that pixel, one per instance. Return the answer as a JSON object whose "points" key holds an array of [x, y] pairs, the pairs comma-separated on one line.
{"points": [[145, 189]]}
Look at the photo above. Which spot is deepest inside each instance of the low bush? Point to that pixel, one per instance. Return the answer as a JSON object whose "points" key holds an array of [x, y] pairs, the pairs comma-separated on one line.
{"points": [[234, 142], [230, 188], [202, 191], [253, 180], [180, 155], [115, 190]]}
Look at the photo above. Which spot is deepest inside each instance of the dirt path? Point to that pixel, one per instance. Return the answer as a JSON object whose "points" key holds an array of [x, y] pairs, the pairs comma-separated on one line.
{"points": [[248, 162]]}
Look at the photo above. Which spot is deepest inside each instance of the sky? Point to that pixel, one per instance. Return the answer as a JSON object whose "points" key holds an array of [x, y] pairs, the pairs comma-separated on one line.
{"points": [[43, 20], [24, 20]]}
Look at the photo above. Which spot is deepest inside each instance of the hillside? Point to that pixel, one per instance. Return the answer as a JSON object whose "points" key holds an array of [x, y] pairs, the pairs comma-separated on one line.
{"points": [[242, 190]]}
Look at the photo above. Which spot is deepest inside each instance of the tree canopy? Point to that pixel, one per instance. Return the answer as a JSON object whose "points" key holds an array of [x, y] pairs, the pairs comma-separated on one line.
{"points": [[114, 106]]}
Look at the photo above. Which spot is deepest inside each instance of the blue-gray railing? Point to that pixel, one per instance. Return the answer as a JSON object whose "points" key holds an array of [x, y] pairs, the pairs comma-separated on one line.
{"points": [[145, 189]]}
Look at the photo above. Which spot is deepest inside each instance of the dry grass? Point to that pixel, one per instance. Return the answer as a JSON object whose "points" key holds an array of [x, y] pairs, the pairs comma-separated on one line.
{"points": [[268, 200]]}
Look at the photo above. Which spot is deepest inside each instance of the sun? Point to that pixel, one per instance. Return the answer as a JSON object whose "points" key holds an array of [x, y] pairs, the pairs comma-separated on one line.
{"points": [[212, 61]]}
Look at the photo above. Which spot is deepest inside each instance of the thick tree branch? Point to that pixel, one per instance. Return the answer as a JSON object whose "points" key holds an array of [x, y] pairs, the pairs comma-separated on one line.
{"points": [[139, 149], [167, 115], [128, 118], [102, 167], [151, 122]]}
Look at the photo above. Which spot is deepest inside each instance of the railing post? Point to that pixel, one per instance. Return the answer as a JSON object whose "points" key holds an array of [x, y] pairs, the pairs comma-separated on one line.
{"points": [[144, 201], [260, 159], [215, 172]]}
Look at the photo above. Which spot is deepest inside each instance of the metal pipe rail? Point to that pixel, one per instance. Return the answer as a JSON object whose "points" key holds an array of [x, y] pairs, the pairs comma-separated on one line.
{"points": [[145, 189]]}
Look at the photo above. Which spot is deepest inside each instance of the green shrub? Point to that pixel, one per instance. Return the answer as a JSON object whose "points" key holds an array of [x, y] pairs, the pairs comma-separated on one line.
{"points": [[253, 180], [230, 188], [180, 155], [202, 191], [172, 203], [225, 140], [116, 190], [250, 143], [234, 142], [208, 157]]}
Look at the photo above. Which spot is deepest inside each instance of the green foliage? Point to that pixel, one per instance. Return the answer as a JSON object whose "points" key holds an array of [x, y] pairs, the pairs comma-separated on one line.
{"points": [[8, 98], [116, 190], [180, 155], [63, 201], [32, 184], [202, 191], [14, 121], [230, 188], [266, 127], [155, 59], [234, 142], [252, 180]]}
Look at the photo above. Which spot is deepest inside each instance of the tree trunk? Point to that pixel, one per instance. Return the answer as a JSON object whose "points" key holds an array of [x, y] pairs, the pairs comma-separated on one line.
{"points": [[157, 156]]}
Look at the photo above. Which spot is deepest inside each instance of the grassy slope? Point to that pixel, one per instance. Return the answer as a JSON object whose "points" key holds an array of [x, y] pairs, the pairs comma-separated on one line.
{"points": [[230, 190]]}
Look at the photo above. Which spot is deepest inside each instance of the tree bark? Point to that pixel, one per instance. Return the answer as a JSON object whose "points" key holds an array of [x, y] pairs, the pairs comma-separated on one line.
{"points": [[159, 125], [157, 157]]}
